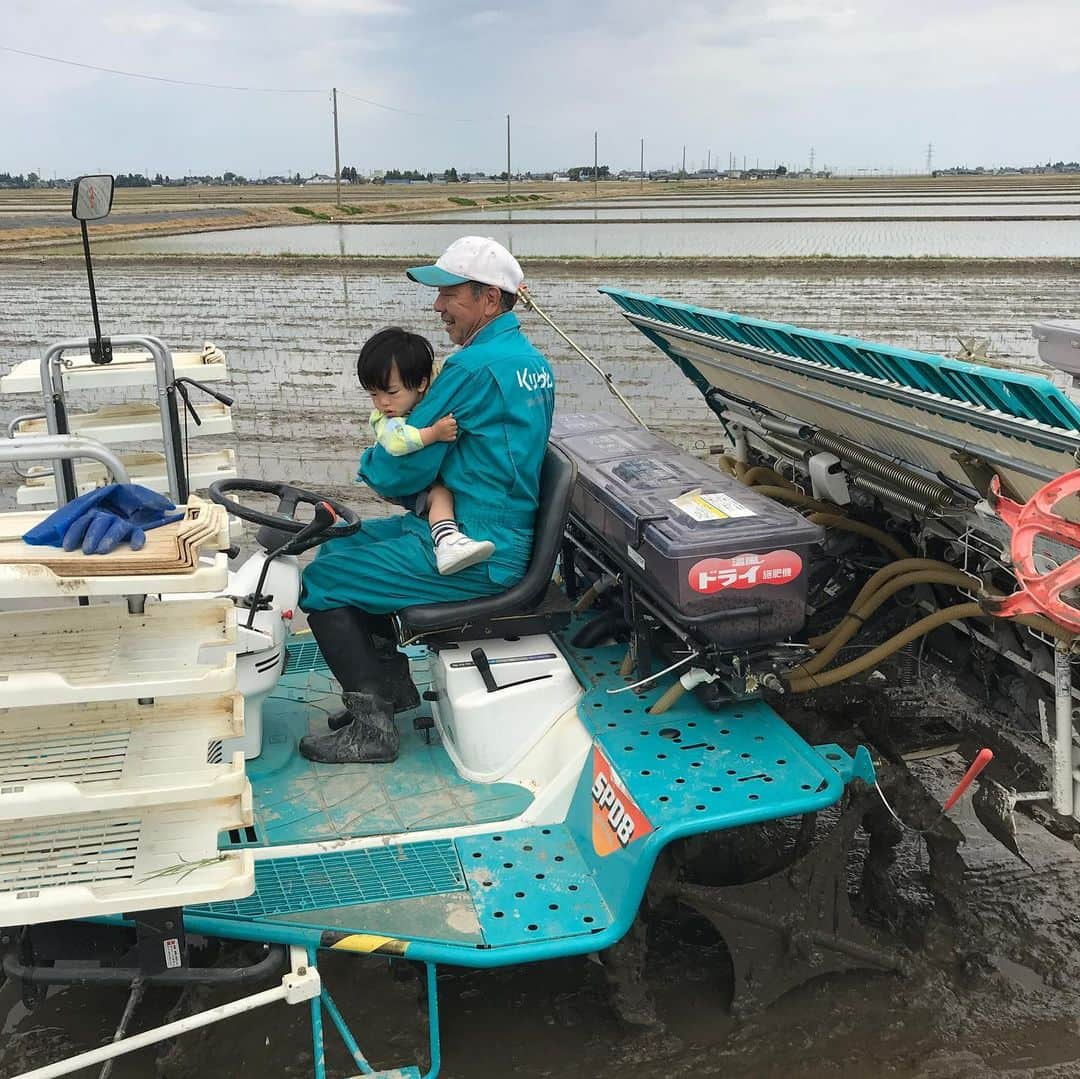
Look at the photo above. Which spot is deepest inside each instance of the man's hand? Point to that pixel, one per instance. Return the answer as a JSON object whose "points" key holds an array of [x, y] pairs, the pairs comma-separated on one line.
{"points": [[444, 430]]}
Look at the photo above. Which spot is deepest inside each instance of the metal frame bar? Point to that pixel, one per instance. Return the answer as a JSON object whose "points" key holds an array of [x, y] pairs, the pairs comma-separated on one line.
{"points": [[53, 394], [299, 984], [63, 448], [324, 1000]]}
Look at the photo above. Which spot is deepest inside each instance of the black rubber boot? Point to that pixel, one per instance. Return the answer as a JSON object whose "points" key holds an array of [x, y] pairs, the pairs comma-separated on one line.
{"points": [[371, 738], [397, 687], [344, 638]]}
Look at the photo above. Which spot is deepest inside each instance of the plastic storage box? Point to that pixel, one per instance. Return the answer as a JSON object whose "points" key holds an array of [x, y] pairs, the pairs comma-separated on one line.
{"points": [[1059, 345], [711, 551]]}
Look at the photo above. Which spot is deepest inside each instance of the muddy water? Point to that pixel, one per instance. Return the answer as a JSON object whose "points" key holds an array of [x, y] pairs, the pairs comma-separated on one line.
{"points": [[1001, 1003]]}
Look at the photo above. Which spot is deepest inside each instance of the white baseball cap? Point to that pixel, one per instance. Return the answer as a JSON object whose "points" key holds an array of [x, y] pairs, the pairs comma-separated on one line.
{"points": [[472, 258]]}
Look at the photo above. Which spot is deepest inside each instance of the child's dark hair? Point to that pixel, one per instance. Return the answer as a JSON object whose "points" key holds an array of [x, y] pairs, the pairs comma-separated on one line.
{"points": [[411, 353]]}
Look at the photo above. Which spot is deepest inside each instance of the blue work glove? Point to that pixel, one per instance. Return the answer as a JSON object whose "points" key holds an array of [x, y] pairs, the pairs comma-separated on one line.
{"points": [[95, 519], [99, 532]]}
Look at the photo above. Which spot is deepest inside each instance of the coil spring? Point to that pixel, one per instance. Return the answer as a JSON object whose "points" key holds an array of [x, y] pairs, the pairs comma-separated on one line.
{"points": [[933, 493], [901, 498]]}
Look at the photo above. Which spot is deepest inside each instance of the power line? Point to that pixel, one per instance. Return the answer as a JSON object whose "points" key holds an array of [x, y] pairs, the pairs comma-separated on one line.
{"points": [[158, 78]]}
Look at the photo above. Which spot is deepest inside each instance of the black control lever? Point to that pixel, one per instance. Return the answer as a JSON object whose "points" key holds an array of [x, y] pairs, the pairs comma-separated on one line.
{"points": [[182, 384], [479, 657], [483, 666], [324, 519]]}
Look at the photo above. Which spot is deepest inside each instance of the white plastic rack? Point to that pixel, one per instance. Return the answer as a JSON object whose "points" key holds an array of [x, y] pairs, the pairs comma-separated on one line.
{"points": [[127, 369], [83, 865], [70, 655], [64, 368], [118, 755], [147, 469], [118, 718], [134, 422]]}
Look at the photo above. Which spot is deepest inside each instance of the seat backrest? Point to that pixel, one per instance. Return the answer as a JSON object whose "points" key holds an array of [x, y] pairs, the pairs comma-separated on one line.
{"points": [[556, 486]]}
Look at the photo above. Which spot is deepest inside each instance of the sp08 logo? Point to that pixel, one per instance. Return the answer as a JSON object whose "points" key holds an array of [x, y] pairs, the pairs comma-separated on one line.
{"points": [[744, 571], [617, 820], [608, 802]]}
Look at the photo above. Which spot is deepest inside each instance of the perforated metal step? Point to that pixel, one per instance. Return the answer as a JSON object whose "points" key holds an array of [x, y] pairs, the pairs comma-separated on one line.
{"points": [[531, 884]]}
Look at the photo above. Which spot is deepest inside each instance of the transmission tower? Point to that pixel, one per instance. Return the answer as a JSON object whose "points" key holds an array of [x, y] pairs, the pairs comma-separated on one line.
{"points": [[929, 158]]}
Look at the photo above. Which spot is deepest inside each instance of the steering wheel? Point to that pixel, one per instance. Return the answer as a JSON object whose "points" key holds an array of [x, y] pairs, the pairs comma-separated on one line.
{"points": [[289, 498]]}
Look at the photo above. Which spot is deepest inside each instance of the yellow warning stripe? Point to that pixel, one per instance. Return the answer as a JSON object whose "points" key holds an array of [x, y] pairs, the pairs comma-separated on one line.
{"points": [[371, 944], [709, 507]]}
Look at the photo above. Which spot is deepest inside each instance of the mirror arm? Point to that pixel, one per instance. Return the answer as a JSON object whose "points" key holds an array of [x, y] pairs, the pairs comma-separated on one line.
{"points": [[100, 349]]}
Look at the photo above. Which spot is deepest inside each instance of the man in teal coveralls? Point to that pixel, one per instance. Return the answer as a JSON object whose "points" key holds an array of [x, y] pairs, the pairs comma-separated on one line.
{"points": [[501, 391]]}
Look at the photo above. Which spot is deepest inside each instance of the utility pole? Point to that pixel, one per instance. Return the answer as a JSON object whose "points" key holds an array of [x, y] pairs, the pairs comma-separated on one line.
{"points": [[708, 169], [811, 161], [595, 165], [642, 184], [929, 159], [684, 162], [508, 155], [337, 153]]}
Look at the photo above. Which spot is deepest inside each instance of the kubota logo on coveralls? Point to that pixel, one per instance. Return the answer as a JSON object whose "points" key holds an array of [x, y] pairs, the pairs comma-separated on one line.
{"points": [[744, 571], [534, 380], [617, 819]]}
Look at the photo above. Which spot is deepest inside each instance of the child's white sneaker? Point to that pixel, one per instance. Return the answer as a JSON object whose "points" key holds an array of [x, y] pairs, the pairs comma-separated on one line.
{"points": [[459, 552]]}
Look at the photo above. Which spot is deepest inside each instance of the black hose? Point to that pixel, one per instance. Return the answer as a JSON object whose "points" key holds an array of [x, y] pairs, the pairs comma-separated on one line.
{"points": [[594, 631]]}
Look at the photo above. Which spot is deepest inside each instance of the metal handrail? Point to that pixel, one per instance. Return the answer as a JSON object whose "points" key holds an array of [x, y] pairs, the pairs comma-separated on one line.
{"points": [[62, 448], [12, 427], [52, 391]]}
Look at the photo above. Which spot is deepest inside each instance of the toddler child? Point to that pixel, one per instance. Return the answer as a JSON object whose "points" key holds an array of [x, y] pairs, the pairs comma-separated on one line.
{"points": [[397, 367]]}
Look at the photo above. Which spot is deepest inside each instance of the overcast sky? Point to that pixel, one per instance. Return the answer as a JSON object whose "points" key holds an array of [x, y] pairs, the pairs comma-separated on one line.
{"points": [[866, 83]]}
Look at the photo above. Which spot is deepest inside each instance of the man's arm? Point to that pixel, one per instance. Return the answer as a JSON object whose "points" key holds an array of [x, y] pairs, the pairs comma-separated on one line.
{"points": [[453, 391]]}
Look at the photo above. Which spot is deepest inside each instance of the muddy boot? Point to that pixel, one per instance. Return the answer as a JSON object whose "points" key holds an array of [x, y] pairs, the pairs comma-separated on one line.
{"points": [[396, 685], [371, 738]]}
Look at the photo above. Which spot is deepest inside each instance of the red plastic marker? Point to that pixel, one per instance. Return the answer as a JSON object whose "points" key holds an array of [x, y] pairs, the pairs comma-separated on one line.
{"points": [[982, 759]]}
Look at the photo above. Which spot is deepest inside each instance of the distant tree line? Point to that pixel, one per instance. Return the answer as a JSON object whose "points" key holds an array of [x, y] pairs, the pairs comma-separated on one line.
{"points": [[585, 172]]}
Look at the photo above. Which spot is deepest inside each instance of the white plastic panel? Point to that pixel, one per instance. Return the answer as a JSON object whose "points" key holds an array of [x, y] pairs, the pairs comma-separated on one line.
{"points": [[118, 755], [126, 369], [135, 421], [487, 734], [103, 653], [35, 581], [90, 864]]}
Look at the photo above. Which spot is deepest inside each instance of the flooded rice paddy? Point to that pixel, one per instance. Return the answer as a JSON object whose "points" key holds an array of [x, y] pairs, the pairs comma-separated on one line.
{"points": [[657, 238], [717, 225], [291, 331]]}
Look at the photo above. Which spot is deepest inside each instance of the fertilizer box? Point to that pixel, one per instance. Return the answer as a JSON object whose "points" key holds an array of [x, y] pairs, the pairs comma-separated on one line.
{"points": [[710, 551]]}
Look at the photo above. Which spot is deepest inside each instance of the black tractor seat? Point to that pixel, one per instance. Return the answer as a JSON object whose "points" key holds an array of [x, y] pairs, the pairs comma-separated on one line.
{"points": [[533, 605]]}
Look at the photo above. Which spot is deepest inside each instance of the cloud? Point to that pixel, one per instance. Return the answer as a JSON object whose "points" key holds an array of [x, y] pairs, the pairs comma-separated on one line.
{"points": [[865, 82]]}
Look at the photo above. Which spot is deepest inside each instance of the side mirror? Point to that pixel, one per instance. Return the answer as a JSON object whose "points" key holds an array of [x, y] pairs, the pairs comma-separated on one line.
{"points": [[91, 198]]}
